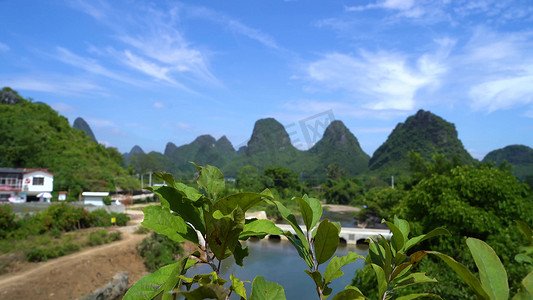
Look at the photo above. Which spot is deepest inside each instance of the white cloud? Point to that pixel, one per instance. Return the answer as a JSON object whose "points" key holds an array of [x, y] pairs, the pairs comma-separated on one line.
{"points": [[159, 104], [183, 125], [503, 93], [63, 107], [4, 47], [96, 8], [380, 80], [96, 122], [497, 69]]}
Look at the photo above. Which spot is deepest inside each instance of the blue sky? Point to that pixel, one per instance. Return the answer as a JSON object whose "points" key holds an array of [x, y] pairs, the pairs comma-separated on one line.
{"points": [[147, 73]]}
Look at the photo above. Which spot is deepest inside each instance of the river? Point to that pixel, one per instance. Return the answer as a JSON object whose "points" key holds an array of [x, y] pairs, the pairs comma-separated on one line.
{"points": [[279, 262]]}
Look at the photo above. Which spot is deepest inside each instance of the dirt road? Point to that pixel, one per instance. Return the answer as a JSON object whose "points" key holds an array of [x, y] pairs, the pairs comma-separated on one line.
{"points": [[78, 274]]}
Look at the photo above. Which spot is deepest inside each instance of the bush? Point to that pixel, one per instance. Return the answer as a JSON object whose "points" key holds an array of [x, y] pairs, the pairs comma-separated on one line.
{"points": [[52, 251], [101, 237], [66, 217], [97, 238], [158, 251], [7, 220], [107, 200], [100, 218]]}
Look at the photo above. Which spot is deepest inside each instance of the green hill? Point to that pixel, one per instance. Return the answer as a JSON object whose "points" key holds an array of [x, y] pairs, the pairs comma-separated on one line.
{"points": [[33, 135], [203, 150], [339, 145], [520, 156], [424, 133]]}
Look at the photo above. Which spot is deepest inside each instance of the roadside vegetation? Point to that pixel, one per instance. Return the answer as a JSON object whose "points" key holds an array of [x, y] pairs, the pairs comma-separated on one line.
{"points": [[52, 233]]}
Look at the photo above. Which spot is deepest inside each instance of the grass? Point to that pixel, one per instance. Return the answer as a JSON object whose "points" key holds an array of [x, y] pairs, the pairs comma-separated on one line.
{"points": [[50, 245]]}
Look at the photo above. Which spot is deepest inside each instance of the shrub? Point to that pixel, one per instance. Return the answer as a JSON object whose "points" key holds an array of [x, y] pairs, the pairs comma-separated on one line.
{"points": [[114, 236], [97, 238], [52, 251], [107, 200], [100, 218], [121, 219], [158, 250], [7, 220]]}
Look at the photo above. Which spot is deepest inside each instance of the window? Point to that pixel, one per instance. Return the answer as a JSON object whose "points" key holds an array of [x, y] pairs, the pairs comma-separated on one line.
{"points": [[38, 180]]}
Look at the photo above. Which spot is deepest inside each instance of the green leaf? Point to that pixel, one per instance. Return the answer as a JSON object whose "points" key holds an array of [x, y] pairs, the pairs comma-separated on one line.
{"points": [[333, 269], [244, 200], [211, 179], [306, 211], [238, 286], [291, 219], [413, 278], [239, 253], [349, 294], [491, 271], [146, 287], [417, 239], [160, 220], [382, 280], [181, 206], [174, 280], [326, 241], [463, 272], [397, 236], [403, 225], [302, 251], [265, 290], [316, 276], [260, 228], [189, 192], [207, 291], [168, 178], [417, 296], [223, 231], [316, 207], [527, 283]]}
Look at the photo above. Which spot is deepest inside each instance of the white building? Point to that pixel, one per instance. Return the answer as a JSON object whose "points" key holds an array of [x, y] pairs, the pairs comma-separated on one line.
{"points": [[21, 185], [94, 198]]}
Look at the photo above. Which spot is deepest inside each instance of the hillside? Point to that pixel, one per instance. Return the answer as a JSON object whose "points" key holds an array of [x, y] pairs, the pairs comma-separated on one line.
{"points": [[424, 133], [203, 150], [520, 156], [33, 135], [339, 145]]}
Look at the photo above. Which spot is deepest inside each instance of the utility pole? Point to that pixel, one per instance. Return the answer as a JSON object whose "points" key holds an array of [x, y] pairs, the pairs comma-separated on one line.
{"points": [[392, 181]]}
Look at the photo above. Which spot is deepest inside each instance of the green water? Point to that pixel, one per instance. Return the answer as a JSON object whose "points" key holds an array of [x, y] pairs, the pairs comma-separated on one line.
{"points": [[279, 262]]}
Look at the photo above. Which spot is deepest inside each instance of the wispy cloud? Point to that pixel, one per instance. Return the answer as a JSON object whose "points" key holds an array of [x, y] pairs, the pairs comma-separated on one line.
{"points": [[3, 47], [92, 66], [497, 69], [96, 9], [233, 25], [52, 83], [380, 80], [153, 44]]}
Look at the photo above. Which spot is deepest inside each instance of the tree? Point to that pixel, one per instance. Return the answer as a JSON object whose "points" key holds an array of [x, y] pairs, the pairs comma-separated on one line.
{"points": [[282, 177], [480, 202]]}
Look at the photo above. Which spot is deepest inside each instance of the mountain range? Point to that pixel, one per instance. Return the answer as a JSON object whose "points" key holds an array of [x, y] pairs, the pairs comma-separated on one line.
{"points": [[270, 145]]}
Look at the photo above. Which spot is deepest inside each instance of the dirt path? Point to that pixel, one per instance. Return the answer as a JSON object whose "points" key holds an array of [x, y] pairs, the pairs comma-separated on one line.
{"points": [[78, 274], [340, 208]]}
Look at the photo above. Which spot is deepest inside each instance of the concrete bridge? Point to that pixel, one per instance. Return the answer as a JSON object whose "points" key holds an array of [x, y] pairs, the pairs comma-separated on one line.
{"points": [[349, 235]]}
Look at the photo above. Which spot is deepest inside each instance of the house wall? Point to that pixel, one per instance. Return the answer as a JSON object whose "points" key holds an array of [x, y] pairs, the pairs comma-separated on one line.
{"points": [[29, 186], [94, 200]]}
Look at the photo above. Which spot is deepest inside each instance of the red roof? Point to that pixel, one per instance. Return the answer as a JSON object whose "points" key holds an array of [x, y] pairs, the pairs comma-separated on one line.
{"points": [[28, 171]]}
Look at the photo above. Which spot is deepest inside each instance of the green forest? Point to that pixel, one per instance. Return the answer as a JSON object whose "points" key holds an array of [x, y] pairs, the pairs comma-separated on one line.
{"points": [[34, 135]]}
